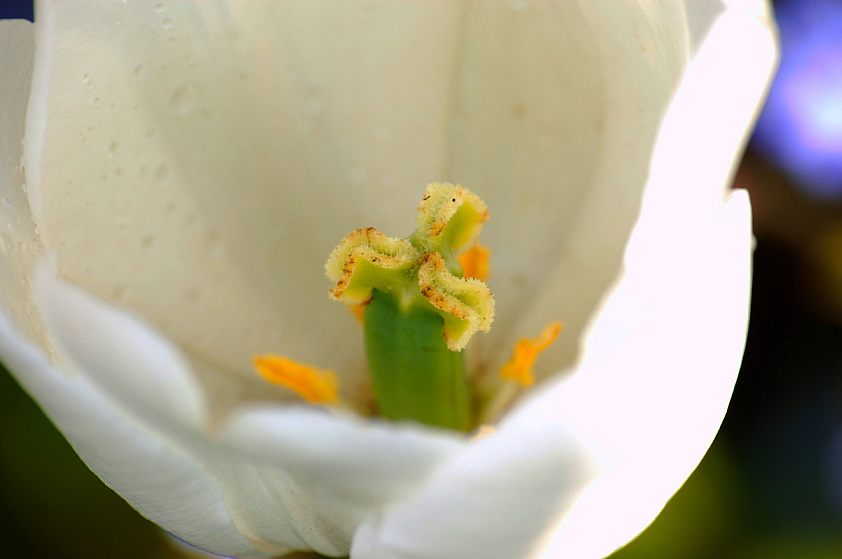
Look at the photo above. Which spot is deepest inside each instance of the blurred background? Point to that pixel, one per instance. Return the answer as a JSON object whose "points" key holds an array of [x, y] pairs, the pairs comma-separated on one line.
{"points": [[771, 485]]}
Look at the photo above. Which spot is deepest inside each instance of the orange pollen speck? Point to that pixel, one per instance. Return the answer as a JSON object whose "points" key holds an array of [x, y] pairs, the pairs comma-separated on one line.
{"points": [[475, 262], [482, 432], [358, 310], [315, 385], [519, 367]]}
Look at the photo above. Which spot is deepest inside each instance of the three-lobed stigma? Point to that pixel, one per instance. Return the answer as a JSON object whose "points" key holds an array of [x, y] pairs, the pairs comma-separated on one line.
{"points": [[421, 267], [420, 310]]}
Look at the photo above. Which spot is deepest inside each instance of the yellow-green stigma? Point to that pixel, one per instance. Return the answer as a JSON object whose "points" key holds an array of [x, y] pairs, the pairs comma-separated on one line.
{"points": [[420, 310], [420, 300]]}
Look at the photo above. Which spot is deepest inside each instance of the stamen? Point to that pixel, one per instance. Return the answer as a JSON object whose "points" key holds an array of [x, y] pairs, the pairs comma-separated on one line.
{"points": [[358, 311], [475, 262], [315, 385], [519, 368], [482, 432], [417, 309]]}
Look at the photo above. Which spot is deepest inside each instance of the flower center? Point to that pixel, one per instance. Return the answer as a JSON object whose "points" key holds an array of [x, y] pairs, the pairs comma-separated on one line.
{"points": [[419, 306]]}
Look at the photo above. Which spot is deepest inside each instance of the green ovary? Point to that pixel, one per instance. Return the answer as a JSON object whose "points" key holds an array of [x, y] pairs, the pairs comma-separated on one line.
{"points": [[413, 373]]}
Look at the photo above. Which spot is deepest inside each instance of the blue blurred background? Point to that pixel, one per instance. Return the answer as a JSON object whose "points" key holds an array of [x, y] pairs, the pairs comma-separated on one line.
{"points": [[771, 486]]}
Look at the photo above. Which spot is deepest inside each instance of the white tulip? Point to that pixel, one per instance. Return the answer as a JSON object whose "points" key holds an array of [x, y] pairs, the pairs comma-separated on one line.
{"points": [[188, 166]]}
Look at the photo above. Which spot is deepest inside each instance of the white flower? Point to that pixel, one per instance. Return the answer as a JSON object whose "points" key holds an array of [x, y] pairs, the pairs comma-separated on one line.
{"points": [[189, 166]]}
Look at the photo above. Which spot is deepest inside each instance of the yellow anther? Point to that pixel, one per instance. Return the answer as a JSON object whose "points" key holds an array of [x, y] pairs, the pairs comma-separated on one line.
{"points": [[475, 262], [315, 385], [519, 368], [482, 432], [358, 311]]}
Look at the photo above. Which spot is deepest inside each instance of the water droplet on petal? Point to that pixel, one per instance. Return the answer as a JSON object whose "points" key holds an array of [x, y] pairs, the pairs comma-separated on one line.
{"points": [[161, 171], [216, 246], [193, 295], [183, 100], [120, 292]]}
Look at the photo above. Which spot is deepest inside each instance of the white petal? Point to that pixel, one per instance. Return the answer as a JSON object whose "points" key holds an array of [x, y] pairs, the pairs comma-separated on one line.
{"points": [[212, 150], [661, 359], [639, 51], [700, 16], [216, 151], [371, 461], [139, 369], [325, 474], [154, 477], [497, 499], [19, 246], [656, 398], [295, 478]]}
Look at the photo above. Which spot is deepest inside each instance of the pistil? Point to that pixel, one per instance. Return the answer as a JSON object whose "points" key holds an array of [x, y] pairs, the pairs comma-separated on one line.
{"points": [[420, 311]]}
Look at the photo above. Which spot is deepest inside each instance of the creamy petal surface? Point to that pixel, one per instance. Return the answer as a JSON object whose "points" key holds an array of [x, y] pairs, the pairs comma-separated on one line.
{"points": [[19, 243], [180, 495], [216, 151], [155, 477], [497, 499], [660, 361]]}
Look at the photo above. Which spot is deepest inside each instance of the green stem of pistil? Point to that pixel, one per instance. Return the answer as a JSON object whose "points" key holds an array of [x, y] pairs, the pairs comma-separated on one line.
{"points": [[414, 375]]}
